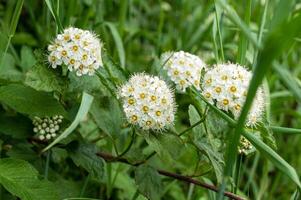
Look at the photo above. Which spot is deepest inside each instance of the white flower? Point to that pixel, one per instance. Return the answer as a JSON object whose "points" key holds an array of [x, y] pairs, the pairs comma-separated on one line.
{"points": [[47, 127], [148, 102], [184, 69], [227, 86], [78, 49]]}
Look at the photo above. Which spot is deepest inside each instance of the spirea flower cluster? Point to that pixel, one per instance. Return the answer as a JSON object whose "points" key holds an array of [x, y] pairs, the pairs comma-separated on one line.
{"points": [[227, 86], [148, 102], [47, 128], [244, 146], [79, 50], [184, 69]]}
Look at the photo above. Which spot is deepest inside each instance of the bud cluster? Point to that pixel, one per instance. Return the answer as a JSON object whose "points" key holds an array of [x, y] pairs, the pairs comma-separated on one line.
{"points": [[47, 128]]}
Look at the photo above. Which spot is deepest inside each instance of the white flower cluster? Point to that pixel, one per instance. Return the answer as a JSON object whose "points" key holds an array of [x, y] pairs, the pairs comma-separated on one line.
{"points": [[183, 68], [244, 146], [79, 50], [227, 86], [148, 102], [47, 127]]}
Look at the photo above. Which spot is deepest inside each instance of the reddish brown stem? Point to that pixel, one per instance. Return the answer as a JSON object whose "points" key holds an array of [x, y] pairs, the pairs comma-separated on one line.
{"points": [[111, 158]]}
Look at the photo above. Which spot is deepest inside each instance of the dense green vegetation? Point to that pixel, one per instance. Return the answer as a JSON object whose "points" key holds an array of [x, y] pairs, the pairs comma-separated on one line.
{"points": [[98, 154]]}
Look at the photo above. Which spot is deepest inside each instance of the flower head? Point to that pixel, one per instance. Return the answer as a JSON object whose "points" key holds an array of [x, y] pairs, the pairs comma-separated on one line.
{"points": [[227, 86], [245, 146], [148, 102], [184, 69], [47, 128], [79, 50]]}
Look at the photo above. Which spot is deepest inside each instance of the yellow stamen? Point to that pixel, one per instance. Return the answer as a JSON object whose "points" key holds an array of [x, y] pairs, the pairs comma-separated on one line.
{"points": [[225, 102], [218, 89], [131, 101], [145, 108], [142, 95], [153, 98], [158, 113], [233, 89]]}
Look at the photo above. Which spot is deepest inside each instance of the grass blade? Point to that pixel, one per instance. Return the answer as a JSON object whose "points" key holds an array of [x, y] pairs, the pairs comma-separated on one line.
{"points": [[277, 160], [81, 114], [54, 13], [118, 42], [284, 34], [243, 43], [13, 26], [288, 80], [279, 129], [233, 16]]}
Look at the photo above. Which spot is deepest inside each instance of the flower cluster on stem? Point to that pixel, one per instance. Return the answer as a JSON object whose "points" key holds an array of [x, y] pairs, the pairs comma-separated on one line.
{"points": [[148, 102], [183, 68], [79, 50], [47, 128]]}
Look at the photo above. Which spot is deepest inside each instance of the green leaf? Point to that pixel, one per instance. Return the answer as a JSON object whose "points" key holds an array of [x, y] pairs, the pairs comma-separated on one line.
{"points": [[17, 127], [27, 58], [45, 79], [21, 179], [26, 100], [108, 116], [8, 69], [149, 182], [206, 144], [165, 143], [277, 160], [85, 156], [118, 42], [81, 114]]}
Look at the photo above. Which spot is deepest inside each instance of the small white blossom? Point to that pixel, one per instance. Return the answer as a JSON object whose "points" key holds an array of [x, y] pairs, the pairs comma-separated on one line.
{"points": [[79, 50], [47, 128], [148, 102], [183, 68], [227, 86]]}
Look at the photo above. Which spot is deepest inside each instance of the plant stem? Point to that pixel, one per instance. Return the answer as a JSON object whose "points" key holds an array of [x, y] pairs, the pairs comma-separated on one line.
{"points": [[111, 158], [82, 192], [105, 83], [47, 164], [130, 145]]}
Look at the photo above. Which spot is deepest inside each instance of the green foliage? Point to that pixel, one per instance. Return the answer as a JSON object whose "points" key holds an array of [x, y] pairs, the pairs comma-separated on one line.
{"points": [[21, 179], [149, 182], [45, 79], [98, 154], [85, 156], [26, 100]]}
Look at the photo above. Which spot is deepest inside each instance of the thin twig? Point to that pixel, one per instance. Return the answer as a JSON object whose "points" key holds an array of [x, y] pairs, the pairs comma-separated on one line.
{"points": [[111, 158]]}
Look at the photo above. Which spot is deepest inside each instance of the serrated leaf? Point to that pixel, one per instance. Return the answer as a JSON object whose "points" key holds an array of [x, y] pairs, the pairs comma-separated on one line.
{"points": [[21, 179], [26, 100], [108, 116], [45, 79], [165, 144], [85, 156], [205, 144], [148, 181]]}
